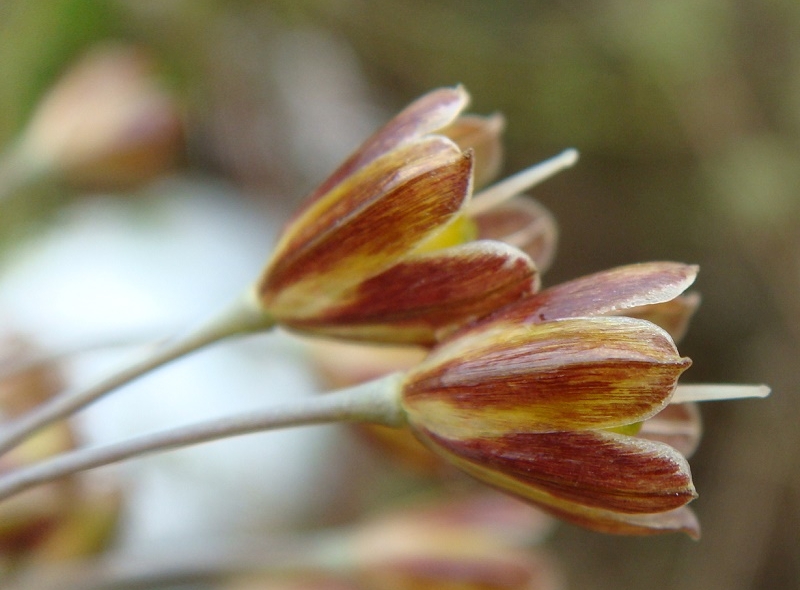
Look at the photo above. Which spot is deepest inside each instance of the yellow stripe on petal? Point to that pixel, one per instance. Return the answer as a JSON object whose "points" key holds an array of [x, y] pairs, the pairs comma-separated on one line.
{"points": [[577, 374], [627, 429], [461, 230]]}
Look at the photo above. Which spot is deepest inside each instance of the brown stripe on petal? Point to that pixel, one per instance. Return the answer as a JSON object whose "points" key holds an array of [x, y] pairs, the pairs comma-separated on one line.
{"points": [[374, 183], [606, 292], [427, 114], [365, 244], [564, 375], [595, 469], [524, 223], [436, 291]]}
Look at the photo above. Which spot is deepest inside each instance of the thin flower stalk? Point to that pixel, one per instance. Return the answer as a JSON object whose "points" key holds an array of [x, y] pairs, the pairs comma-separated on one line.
{"points": [[374, 402], [235, 320]]}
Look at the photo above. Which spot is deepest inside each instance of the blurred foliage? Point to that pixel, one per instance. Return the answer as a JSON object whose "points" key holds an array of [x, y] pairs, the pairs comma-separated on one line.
{"points": [[687, 115]]}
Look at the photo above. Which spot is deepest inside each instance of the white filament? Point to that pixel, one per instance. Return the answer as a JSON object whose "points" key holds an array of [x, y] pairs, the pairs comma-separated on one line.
{"points": [[521, 181], [715, 392]]}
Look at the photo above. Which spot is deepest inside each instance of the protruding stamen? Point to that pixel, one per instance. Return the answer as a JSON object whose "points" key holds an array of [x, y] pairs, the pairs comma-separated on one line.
{"points": [[521, 181], [716, 392]]}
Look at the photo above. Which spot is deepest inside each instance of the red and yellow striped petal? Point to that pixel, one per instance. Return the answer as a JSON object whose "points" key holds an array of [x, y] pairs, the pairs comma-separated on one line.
{"points": [[575, 374], [427, 114], [524, 223], [592, 469], [375, 184], [606, 292], [309, 277], [422, 297]]}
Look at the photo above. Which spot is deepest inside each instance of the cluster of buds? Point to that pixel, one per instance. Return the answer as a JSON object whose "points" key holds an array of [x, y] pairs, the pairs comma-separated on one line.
{"points": [[566, 397], [560, 396]]}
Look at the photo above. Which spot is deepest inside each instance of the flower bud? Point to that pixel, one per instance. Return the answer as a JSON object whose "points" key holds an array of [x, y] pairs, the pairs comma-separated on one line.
{"points": [[467, 544], [532, 409], [362, 258], [107, 123]]}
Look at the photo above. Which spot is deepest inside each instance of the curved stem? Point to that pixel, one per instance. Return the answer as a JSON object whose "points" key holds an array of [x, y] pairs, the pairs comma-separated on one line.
{"points": [[375, 401], [242, 317]]}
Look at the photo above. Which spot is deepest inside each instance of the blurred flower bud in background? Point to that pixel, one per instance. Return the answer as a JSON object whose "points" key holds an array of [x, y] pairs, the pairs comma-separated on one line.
{"points": [[23, 388], [108, 123], [479, 542], [64, 519], [470, 543]]}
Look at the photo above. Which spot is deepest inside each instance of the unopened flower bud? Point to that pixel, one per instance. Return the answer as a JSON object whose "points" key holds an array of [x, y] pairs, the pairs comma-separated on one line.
{"points": [[536, 409], [357, 262], [108, 123]]}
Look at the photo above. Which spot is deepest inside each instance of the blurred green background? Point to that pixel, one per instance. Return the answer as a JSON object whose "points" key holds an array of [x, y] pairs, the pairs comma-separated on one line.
{"points": [[687, 117]]}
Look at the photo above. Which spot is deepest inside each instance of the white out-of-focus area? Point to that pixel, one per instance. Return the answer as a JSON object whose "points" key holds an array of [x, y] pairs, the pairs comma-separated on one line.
{"points": [[114, 269]]}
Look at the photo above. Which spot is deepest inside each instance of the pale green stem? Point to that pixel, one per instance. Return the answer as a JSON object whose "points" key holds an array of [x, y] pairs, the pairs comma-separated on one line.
{"points": [[375, 402], [241, 318]]}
